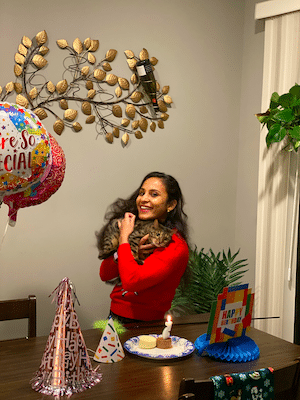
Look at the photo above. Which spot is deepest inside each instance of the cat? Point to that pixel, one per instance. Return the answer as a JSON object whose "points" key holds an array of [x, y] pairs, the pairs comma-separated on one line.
{"points": [[159, 235]]}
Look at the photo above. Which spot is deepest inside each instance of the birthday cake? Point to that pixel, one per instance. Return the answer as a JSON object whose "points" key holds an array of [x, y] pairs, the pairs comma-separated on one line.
{"points": [[162, 343]]}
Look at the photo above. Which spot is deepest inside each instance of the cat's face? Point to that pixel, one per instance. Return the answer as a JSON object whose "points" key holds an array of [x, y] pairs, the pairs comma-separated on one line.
{"points": [[152, 201]]}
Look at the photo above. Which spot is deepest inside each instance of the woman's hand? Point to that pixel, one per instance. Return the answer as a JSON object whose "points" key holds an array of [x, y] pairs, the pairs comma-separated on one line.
{"points": [[145, 250], [126, 226]]}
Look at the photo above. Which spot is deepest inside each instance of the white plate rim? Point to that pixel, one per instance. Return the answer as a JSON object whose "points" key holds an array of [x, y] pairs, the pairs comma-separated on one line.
{"points": [[133, 342]]}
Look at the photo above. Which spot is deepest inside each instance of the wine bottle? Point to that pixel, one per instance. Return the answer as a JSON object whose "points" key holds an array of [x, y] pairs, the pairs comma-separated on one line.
{"points": [[145, 72]]}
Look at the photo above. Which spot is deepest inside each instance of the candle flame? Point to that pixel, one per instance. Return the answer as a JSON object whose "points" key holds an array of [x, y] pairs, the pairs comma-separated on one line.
{"points": [[169, 318]]}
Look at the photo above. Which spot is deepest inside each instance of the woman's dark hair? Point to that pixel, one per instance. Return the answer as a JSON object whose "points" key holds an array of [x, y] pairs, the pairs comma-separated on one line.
{"points": [[176, 218]]}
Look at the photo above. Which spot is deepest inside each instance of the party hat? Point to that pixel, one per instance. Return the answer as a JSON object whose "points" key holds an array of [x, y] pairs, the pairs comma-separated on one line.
{"points": [[65, 368], [109, 349]]}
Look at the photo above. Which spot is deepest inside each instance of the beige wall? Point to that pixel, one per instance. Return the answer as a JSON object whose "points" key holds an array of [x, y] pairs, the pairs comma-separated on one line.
{"points": [[210, 53]]}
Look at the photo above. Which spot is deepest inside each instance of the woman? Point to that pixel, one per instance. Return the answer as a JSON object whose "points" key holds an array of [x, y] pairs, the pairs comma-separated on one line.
{"points": [[147, 290]]}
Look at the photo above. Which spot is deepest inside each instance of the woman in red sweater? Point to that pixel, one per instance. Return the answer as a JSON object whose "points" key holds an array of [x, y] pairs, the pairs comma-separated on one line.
{"points": [[147, 290]]}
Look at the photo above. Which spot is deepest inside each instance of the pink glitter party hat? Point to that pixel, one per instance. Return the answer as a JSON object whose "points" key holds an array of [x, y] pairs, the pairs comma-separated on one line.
{"points": [[65, 367]]}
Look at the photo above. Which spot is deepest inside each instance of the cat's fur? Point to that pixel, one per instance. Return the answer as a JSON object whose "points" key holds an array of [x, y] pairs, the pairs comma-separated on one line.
{"points": [[159, 235]]}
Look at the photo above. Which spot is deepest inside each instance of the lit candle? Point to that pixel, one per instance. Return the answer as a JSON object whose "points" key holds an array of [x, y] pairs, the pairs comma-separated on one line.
{"points": [[167, 329]]}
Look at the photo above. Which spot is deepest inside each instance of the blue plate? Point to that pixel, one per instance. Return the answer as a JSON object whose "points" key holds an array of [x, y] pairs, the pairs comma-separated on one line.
{"points": [[180, 348]]}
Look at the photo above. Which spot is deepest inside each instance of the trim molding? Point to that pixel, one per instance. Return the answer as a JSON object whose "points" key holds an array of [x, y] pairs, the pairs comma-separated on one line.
{"points": [[268, 9]]}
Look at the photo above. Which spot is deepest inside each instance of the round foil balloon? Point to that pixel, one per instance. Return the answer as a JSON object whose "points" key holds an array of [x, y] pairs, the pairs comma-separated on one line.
{"points": [[25, 150], [40, 192]]}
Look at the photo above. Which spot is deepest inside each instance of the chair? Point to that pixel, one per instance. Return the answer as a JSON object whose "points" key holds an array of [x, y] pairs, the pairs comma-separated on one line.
{"points": [[286, 385], [18, 309]]}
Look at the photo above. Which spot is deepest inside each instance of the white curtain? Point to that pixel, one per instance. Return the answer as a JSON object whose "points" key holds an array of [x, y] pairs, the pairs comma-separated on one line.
{"points": [[277, 217]]}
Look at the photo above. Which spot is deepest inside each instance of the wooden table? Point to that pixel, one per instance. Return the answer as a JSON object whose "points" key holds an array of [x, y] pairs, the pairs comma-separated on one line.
{"points": [[137, 378]]}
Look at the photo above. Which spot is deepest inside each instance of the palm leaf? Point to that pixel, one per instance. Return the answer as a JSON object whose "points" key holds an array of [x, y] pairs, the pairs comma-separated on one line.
{"points": [[210, 273]]}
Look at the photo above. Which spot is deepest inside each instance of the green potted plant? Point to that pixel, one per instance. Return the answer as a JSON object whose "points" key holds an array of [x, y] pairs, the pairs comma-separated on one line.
{"points": [[283, 118], [210, 273]]}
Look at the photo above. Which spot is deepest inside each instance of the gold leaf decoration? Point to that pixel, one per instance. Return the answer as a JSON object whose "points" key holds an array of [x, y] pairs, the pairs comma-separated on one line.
{"points": [[62, 86], [130, 110], [135, 124], [153, 126], [22, 101], [131, 63], [41, 38], [129, 53], [143, 109], [133, 79], [144, 55], [86, 108], [26, 41], [162, 106], [76, 126], [85, 70], [157, 86], [153, 60], [106, 66], [111, 79], [70, 114], [160, 124], [143, 124], [91, 58], [77, 46], [90, 119], [168, 99], [18, 87], [164, 116], [111, 55], [165, 89], [63, 104], [138, 135], [22, 50], [9, 87], [123, 82], [50, 87], [89, 85], [87, 43], [125, 122], [91, 93], [125, 139], [94, 45], [18, 70], [0, 89], [118, 92], [41, 113], [33, 93], [99, 74], [117, 111], [58, 126], [43, 50], [19, 59], [39, 61], [116, 132], [136, 96], [62, 43], [109, 137]]}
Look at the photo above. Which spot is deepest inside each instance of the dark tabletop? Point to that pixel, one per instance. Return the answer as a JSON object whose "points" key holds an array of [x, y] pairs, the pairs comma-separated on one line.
{"points": [[137, 378]]}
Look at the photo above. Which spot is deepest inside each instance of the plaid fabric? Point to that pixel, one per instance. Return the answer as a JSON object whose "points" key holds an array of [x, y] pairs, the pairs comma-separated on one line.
{"points": [[254, 385]]}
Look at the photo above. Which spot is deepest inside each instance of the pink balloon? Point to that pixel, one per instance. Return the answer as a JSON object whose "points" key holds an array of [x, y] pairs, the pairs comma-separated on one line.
{"points": [[40, 192]]}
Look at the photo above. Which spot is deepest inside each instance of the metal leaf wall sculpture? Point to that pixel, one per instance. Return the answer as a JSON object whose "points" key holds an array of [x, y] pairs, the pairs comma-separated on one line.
{"points": [[118, 107]]}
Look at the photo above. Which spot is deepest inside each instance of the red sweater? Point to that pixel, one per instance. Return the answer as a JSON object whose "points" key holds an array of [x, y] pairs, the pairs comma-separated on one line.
{"points": [[147, 290]]}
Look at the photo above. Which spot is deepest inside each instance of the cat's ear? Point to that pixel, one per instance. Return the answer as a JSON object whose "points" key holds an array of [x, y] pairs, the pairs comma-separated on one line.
{"points": [[156, 223]]}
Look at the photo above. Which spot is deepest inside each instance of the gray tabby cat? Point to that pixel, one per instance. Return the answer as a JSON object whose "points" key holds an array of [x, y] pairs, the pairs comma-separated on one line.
{"points": [[159, 235]]}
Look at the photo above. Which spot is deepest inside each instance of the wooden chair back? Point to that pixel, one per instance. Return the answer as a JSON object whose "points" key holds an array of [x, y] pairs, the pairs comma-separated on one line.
{"points": [[19, 309], [286, 385]]}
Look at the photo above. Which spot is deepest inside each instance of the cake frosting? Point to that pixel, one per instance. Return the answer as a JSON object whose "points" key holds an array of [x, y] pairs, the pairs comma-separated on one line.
{"points": [[147, 342]]}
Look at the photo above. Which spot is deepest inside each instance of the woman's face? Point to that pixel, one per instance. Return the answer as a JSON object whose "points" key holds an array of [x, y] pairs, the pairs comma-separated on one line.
{"points": [[152, 201]]}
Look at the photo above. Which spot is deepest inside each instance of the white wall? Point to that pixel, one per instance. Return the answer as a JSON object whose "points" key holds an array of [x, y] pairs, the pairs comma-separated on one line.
{"points": [[210, 55]]}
